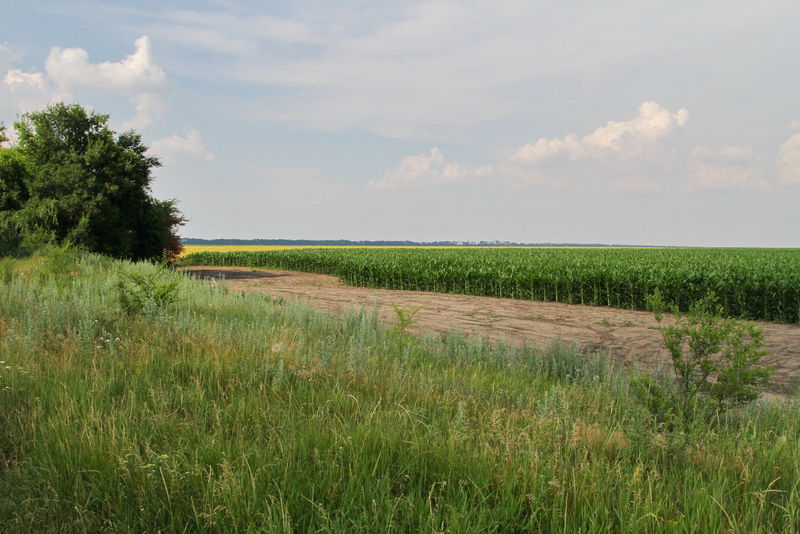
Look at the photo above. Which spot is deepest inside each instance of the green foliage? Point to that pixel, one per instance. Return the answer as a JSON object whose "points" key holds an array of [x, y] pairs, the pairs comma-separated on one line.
{"points": [[405, 317], [657, 396], [59, 262], [716, 360], [14, 176], [71, 178], [147, 293], [750, 283]]}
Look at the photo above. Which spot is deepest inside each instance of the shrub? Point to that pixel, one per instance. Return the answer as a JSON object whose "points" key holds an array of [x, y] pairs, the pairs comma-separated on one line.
{"points": [[716, 360], [146, 294]]}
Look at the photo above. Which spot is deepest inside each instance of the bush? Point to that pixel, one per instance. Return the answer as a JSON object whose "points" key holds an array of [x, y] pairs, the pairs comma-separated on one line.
{"points": [[146, 294], [716, 360]]}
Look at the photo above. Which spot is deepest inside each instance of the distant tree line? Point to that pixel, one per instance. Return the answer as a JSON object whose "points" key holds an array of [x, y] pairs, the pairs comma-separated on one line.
{"points": [[70, 179], [347, 242]]}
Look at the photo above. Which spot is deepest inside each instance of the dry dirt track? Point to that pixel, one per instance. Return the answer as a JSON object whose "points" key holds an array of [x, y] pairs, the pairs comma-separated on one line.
{"points": [[629, 336]]}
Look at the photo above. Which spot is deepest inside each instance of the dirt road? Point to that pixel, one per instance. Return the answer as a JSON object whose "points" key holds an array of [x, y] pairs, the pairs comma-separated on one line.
{"points": [[629, 336]]}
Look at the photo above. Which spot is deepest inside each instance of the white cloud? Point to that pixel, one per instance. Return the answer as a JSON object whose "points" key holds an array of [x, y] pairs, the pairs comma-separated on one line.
{"points": [[28, 91], [149, 109], [17, 79], [69, 71], [637, 183], [726, 168], [789, 161], [224, 32], [177, 147], [209, 38], [726, 154], [257, 26], [420, 170], [616, 139], [431, 65], [7, 56]]}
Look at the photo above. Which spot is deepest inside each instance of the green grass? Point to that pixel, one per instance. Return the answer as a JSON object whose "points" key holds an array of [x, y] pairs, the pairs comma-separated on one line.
{"points": [[750, 283], [233, 413]]}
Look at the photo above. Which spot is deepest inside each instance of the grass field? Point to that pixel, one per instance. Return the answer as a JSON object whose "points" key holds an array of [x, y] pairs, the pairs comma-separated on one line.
{"points": [[234, 413], [750, 283]]}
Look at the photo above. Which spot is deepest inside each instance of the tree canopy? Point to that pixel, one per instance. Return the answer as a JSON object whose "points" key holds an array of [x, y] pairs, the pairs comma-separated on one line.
{"points": [[72, 179]]}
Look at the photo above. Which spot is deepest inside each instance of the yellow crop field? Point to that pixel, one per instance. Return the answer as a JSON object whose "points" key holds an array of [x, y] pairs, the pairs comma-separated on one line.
{"points": [[191, 249]]}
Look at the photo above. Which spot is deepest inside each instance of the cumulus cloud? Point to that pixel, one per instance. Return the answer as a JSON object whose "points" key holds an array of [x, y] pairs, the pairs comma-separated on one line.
{"points": [[789, 161], [176, 147], [69, 71], [624, 139], [17, 79], [28, 91], [149, 109], [730, 167], [420, 170]]}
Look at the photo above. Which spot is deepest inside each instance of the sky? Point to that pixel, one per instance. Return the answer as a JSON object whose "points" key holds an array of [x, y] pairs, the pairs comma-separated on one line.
{"points": [[634, 122]]}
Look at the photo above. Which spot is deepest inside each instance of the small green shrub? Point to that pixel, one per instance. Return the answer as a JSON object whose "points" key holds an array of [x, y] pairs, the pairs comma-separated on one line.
{"points": [[406, 317], [60, 261], [146, 294], [716, 360]]}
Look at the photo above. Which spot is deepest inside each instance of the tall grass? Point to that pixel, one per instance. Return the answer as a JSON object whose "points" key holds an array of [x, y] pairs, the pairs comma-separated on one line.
{"points": [[234, 413]]}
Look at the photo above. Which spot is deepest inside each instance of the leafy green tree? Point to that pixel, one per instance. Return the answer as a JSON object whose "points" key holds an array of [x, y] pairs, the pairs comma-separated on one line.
{"points": [[85, 184], [14, 175]]}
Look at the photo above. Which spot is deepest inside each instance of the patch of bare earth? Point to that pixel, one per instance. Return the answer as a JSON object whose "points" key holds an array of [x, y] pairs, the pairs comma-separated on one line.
{"points": [[628, 336]]}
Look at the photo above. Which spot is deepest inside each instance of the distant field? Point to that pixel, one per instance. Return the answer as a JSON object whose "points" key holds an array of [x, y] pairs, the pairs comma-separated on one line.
{"points": [[750, 283], [191, 249]]}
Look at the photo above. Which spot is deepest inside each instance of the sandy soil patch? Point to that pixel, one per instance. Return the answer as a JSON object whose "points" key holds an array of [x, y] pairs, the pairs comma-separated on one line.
{"points": [[629, 336]]}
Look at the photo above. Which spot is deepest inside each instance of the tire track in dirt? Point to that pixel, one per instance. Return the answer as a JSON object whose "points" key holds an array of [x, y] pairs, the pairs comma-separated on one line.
{"points": [[629, 336]]}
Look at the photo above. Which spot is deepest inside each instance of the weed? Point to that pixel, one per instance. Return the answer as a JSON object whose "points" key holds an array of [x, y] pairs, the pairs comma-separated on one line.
{"points": [[406, 317], [147, 294]]}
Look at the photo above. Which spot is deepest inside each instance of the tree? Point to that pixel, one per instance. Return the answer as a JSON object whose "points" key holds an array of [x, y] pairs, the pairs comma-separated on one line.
{"points": [[14, 173], [86, 184]]}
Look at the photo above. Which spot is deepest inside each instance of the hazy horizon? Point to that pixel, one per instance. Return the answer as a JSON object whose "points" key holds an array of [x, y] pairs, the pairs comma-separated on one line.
{"points": [[449, 242]]}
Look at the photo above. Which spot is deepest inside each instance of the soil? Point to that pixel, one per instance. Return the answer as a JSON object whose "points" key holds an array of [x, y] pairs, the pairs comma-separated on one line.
{"points": [[630, 337]]}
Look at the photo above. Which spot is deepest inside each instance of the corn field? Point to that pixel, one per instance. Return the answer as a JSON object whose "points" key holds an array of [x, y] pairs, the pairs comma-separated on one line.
{"points": [[750, 283]]}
